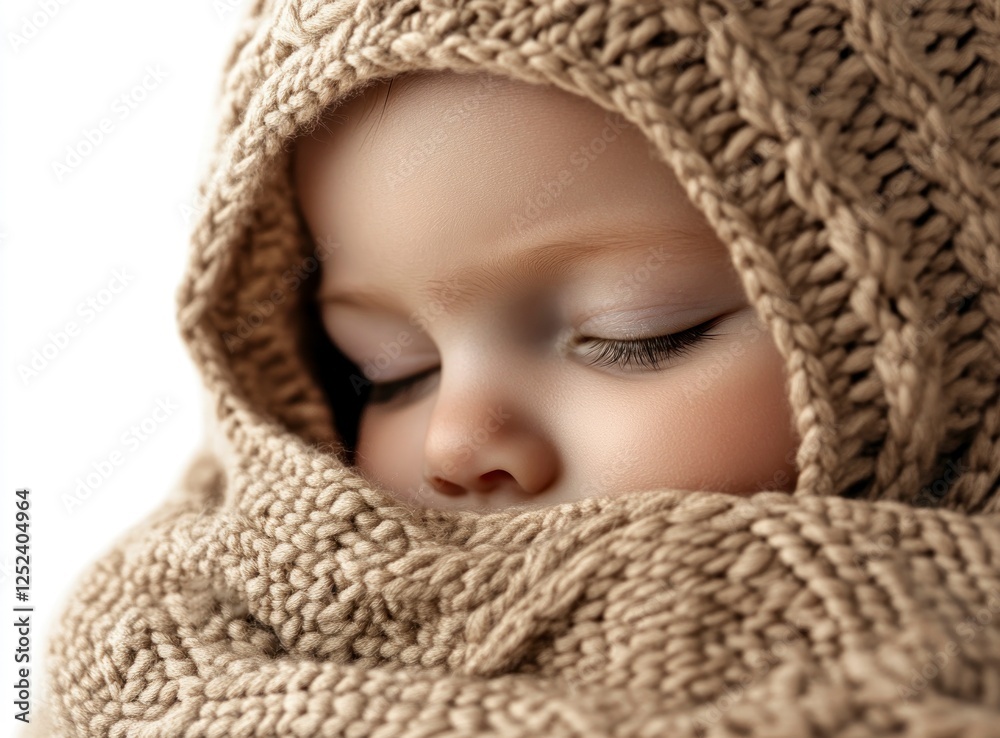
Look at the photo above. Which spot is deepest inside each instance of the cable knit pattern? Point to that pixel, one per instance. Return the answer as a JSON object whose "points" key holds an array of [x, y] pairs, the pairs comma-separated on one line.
{"points": [[848, 153]]}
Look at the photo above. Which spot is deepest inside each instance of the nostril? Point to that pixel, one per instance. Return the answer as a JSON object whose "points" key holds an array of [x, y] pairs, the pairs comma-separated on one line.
{"points": [[445, 487], [494, 478]]}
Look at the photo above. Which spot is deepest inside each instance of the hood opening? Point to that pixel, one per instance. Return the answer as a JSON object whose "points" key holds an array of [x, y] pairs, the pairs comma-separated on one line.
{"points": [[788, 182]]}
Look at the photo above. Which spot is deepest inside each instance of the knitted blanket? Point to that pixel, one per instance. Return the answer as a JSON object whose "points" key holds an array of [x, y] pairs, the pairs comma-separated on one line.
{"points": [[848, 154]]}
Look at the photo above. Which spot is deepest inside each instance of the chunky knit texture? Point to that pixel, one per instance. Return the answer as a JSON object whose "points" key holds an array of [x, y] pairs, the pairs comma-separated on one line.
{"points": [[848, 153]]}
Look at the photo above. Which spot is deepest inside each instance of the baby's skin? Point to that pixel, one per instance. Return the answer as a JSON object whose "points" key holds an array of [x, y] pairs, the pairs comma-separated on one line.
{"points": [[541, 311]]}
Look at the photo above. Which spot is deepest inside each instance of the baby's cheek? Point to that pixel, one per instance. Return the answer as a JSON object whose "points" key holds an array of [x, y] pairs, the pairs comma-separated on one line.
{"points": [[390, 450], [732, 422]]}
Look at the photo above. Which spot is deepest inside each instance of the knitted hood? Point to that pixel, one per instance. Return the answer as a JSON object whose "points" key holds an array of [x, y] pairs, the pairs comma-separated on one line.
{"points": [[848, 155]]}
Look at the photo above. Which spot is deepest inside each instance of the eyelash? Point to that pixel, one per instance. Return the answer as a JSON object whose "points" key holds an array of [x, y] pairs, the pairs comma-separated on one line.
{"points": [[645, 352], [648, 352], [382, 392]]}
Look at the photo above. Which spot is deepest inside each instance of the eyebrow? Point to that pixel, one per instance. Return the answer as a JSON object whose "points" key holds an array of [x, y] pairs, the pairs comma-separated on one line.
{"points": [[460, 287]]}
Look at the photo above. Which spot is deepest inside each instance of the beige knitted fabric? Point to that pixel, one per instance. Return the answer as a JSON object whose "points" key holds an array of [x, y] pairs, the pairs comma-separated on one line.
{"points": [[848, 152]]}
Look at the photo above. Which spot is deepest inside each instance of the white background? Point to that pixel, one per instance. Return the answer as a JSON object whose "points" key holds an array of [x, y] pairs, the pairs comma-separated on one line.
{"points": [[125, 205]]}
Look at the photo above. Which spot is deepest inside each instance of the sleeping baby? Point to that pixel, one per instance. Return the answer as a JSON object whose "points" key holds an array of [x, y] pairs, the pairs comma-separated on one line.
{"points": [[531, 302]]}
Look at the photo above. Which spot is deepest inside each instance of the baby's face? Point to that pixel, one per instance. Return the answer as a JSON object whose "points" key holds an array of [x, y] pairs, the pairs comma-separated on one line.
{"points": [[542, 313]]}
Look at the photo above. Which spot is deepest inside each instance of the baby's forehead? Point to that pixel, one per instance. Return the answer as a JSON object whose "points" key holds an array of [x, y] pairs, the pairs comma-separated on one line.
{"points": [[457, 161], [415, 116]]}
